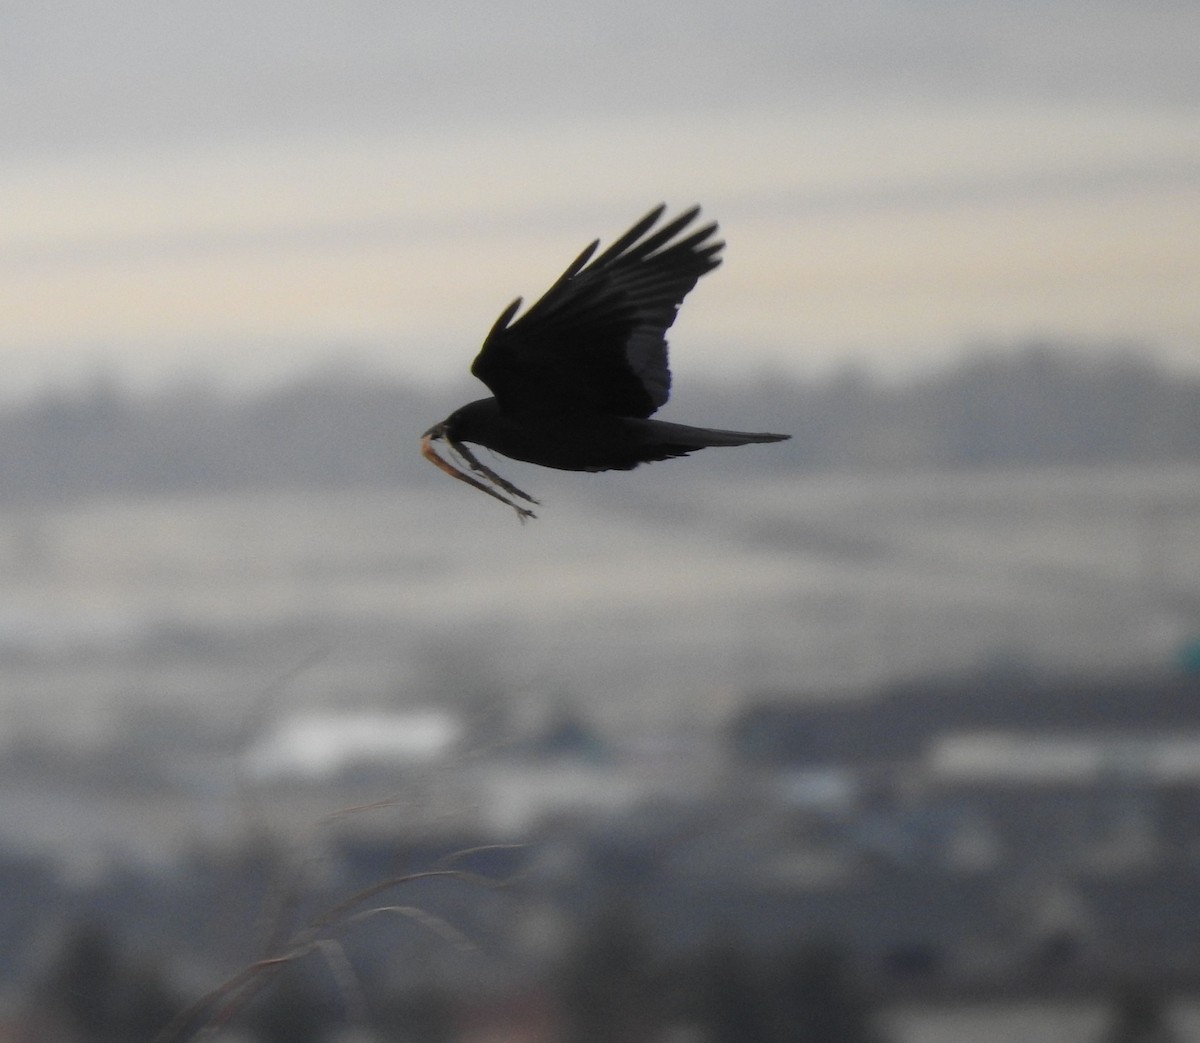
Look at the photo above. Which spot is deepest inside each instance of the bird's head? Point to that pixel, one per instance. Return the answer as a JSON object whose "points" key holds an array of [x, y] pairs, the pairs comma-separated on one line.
{"points": [[470, 423]]}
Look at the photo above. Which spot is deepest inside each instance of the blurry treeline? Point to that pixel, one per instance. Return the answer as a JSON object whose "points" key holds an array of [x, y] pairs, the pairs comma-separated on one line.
{"points": [[1040, 405], [611, 986]]}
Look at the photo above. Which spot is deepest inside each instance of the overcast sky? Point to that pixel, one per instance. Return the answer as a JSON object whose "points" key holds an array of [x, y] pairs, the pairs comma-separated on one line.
{"points": [[252, 187]]}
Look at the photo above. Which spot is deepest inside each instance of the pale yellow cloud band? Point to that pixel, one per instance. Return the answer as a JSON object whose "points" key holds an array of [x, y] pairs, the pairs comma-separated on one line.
{"points": [[876, 232]]}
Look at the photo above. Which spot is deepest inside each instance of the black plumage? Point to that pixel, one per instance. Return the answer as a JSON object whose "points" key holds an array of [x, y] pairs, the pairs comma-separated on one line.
{"points": [[575, 379]]}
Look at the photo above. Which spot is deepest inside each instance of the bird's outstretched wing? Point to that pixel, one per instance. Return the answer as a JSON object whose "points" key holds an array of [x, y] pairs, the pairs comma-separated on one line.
{"points": [[596, 340]]}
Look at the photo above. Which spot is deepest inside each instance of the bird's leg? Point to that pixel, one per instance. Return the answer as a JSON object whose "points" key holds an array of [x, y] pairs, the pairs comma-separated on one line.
{"points": [[481, 468], [431, 455]]}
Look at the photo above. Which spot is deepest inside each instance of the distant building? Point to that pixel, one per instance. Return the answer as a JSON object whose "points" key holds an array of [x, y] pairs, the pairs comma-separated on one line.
{"points": [[322, 746], [901, 722]]}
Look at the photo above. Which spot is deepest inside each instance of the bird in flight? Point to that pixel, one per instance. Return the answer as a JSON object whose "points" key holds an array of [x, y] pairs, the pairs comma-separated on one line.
{"points": [[576, 378]]}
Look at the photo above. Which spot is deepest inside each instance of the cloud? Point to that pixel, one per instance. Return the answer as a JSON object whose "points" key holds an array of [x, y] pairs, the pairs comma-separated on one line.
{"points": [[387, 175], [127, 71]]}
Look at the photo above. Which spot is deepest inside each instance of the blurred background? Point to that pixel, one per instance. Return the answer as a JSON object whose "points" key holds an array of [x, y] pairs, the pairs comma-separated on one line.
{"points": [[890, 732]]}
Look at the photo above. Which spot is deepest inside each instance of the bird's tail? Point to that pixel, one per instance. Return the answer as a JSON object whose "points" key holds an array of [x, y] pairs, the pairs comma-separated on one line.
{"points": [[662, 440], [702, 437]]}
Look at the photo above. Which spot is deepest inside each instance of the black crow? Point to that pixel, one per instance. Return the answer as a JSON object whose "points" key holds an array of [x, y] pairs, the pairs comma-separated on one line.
{"points": [[575, 379]]}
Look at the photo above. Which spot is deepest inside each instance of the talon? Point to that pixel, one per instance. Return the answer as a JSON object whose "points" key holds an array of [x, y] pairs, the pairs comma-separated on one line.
{"points": [[480, 468], [431, 455]]}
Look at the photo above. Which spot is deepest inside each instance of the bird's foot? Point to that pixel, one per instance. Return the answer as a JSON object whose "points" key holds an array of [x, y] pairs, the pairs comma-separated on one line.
{"points": [[431, 455], [481, 468]]}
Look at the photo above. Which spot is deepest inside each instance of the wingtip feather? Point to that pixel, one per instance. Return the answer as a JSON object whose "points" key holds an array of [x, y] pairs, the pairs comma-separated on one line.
{"points": [[505, 317]]}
